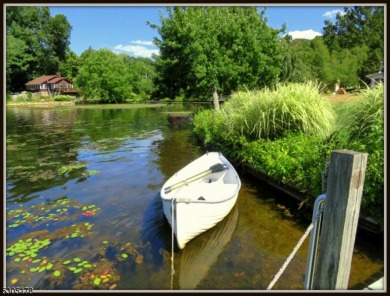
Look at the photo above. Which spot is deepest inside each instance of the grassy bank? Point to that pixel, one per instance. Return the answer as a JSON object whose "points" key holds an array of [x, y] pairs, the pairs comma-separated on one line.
{"points": [[290, 132]]}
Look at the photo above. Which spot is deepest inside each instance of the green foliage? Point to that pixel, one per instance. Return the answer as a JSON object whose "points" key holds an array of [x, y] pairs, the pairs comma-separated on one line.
{"points": [[359, 27], [361, 123], [62, 98], [295, 160], [208, 125], [297, 65], [226, 47], [143, 73], [297, 157], [103, 76], [69, 68], [179, 99], [36, 43], [306, 60], [268, 114], [24, 96], [346, 64], [107, 77]]}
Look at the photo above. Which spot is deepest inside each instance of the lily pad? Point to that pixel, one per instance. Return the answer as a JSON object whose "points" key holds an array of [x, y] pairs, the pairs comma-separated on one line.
{"points": [[97, 281], [57, 273], [78, 270]]}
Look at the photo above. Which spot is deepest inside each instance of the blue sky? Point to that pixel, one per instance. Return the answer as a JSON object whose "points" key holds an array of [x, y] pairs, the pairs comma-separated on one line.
{"points": [[123, 29]]}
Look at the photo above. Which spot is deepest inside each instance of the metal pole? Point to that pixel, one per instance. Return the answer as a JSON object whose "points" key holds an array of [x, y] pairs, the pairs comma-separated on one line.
{"points": [[312, 252]]}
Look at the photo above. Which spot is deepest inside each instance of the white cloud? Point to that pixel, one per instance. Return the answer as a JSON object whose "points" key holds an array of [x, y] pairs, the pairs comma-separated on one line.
{"points": [[144, 49], [307, 34], [142, 42], [333, 13]]}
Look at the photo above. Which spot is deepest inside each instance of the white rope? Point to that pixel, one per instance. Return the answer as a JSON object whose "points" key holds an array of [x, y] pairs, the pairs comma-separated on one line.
{"points": [[289, 258], [173, 241]]}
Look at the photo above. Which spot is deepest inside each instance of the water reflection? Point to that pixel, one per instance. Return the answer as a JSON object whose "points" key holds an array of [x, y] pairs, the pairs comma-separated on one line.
{"points": [[193, 263], [156, 231], [200, 254], [117, 160]]}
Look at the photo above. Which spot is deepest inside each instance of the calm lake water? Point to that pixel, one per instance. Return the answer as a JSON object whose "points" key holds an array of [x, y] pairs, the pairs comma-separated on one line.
{"points": [[83, 210]]}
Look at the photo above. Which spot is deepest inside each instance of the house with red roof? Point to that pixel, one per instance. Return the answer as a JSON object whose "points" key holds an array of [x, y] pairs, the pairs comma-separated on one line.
{"points": [[51, 85]]}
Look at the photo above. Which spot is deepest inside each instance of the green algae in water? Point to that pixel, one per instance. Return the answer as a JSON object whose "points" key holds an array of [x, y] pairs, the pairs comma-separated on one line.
{"points": [[68, 168]]}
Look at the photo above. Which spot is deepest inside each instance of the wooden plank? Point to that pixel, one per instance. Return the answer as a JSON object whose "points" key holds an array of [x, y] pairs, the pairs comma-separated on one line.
{"points": [[340, 219]]}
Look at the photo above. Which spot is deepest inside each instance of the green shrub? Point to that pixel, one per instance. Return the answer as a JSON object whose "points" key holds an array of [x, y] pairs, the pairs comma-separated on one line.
{"points": [[165, 100], [208, 125], [295, 160], [297, 156], [62, 98], [24, 96], [179, 99]]}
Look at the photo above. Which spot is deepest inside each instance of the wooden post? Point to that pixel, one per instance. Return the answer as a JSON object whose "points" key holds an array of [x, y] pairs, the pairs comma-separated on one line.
{"points": [[215, 98], [340, 219]]}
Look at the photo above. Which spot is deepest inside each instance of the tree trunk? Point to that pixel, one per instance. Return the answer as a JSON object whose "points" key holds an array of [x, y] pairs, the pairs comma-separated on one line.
{"points": [[215, 99]]}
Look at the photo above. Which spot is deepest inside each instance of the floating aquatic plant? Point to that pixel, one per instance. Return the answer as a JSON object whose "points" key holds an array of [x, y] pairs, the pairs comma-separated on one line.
{"points": [[91, 173], [103, 276], [25, 257], [68, 168], [26, 249], [49, 211]]}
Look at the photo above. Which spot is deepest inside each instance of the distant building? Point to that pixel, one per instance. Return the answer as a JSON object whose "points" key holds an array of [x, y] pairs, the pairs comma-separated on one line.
{"points": [[375, 78], [51, 85]]}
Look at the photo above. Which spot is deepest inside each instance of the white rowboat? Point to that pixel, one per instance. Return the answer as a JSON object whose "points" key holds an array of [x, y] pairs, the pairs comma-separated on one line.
{"points": [[200, 195]]}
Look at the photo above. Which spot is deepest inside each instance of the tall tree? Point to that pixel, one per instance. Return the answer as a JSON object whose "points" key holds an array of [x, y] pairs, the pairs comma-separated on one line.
{"points": [[226, 47], [103, 76], [297, 65], [36, 41], [359, 26], [70, 66]]}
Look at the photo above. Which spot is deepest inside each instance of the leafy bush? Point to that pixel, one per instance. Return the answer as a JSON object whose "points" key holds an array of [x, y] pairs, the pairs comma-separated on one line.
{"points": [[295, 160], [165, 100], [179, 99], [24, 97], [207, 125], [297, 157], [62, 98]]}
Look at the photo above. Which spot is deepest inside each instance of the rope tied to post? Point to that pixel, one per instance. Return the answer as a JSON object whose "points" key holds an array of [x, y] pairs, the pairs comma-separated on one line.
{"points": [[291, 256]]}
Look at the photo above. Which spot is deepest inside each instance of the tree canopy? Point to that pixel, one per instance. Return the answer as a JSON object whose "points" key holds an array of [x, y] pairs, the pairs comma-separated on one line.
{"points": [[36, 43], [108, 77], [103, 77], [360, 30], [227, 47]]}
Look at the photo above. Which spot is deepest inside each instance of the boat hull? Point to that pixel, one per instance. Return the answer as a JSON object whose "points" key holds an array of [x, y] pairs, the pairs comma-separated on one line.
{"points": [[198, 206]]}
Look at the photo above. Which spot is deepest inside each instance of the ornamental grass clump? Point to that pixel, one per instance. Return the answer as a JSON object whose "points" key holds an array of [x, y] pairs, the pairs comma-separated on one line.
{"points": [[361, 123], [268, 114], [357, 117]]}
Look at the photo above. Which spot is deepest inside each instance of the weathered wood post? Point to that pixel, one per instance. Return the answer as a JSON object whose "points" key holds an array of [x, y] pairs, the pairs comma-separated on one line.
{"points": [[340, 219], [215, 98]]}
